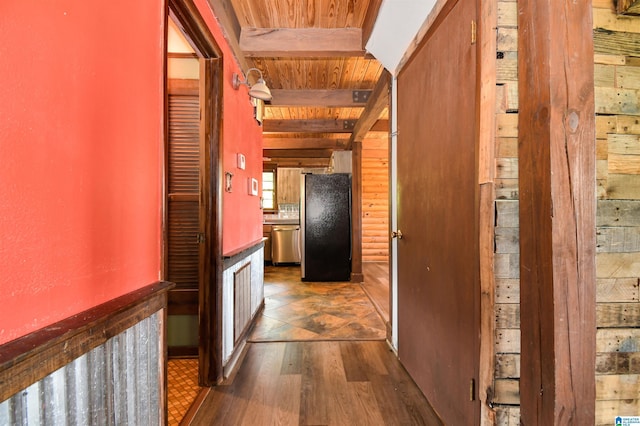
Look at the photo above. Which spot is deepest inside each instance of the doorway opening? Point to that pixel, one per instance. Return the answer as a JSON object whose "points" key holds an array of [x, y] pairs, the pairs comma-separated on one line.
{"points": [[191, 221]]}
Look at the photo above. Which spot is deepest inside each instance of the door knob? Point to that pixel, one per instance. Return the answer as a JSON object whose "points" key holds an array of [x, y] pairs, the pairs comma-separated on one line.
{"points": [[397, 234]]}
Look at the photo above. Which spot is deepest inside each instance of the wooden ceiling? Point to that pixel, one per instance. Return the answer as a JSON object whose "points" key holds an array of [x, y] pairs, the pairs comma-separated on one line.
{"points": [[326, 90]]}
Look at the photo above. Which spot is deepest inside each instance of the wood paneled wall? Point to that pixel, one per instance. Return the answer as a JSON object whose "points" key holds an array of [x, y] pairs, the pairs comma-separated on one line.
{"points": [[617, 81], [617, 91], [506, 261], [375, 200]]}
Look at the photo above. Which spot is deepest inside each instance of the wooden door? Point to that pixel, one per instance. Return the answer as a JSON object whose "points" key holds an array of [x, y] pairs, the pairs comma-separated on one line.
{"points": [[438, 255]]}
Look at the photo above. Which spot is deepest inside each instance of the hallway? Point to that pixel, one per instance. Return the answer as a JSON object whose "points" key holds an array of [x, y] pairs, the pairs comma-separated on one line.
{"points": [[307, 377]]}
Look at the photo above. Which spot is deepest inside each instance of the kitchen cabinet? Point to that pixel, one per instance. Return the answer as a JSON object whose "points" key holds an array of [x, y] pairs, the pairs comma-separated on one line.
{"points": [[340, 162], [266, 233], [288, 185]]}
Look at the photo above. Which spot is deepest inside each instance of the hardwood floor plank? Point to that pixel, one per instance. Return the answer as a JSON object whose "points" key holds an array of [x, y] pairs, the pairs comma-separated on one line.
{"points": [[391, 402], [307, 383], [266, 378], [227, 403], [340, 405], [376, 285], [363, 405], [292, 360], [362, 360], [287, 410], [314, 398], [275, 398], [376, 356], [355, 368], [405, 395]]}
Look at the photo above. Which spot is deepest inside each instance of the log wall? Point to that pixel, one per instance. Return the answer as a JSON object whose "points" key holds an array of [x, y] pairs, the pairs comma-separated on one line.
{"points": [[617, 96], [375, 200]]}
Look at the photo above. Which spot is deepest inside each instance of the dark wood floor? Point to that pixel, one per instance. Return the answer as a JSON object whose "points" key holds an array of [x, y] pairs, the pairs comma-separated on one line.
{"points": [[320, 382], [376, 285]]}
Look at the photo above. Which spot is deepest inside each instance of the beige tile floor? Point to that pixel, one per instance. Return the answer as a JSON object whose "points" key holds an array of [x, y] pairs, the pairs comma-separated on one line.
{"points": [[182, 388]]}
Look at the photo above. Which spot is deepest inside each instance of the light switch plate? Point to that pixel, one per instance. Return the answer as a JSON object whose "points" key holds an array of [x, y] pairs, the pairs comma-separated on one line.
{"points": [[241, 162], [253, 187]]}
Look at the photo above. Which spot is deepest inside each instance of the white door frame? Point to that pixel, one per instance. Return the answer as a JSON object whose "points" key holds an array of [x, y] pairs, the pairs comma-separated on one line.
{"points": [[393, 213]]}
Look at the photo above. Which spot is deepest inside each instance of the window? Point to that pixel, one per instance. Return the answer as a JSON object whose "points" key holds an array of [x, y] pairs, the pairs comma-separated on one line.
{"points": [[269, 190]]}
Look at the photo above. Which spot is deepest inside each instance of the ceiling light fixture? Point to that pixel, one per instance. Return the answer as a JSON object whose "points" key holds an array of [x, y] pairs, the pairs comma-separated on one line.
{"points": [[258, 90]]}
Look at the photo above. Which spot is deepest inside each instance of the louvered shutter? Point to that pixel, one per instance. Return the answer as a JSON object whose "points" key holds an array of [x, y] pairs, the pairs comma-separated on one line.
{"points": [[183, 190]]}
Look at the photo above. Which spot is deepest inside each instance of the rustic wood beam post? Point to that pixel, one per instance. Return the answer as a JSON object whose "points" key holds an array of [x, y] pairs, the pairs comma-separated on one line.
{"points": [[356, 213], [210, 276], [557, 212]]}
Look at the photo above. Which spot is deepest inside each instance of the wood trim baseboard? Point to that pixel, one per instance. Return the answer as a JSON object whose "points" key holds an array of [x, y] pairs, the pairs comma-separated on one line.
{"points": [[357, 277], [195, 407], [182, 352], [30, 358]]}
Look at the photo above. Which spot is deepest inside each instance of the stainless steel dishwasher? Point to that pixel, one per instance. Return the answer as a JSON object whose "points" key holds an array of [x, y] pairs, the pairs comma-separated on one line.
{"points": [[285, 244]]}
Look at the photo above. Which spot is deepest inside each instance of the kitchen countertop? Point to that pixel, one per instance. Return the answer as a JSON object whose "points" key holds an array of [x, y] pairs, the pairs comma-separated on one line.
{"points": [[280, 220]]}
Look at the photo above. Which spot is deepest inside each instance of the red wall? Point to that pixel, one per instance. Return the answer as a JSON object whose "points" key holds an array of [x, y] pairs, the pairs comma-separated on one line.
{"points": [[242, 217], [80, 153], [81, 142]]}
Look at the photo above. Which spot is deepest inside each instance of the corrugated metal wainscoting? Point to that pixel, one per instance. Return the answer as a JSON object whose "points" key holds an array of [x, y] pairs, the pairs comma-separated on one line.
{"points": [[242, 293], [116, 383]]}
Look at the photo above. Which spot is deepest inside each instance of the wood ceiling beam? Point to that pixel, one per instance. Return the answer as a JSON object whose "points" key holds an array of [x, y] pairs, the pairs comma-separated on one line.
{"points": [[297, 153], [304, 143], [318, 126], [308, 126], [311, 163], [370, 19], [319, 98], [301, 42], [224, 12], [378, 101]]}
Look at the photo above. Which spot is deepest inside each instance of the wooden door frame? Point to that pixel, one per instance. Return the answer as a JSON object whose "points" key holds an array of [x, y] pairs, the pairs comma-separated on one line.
{"points": [[186, 15], [486, 80]]}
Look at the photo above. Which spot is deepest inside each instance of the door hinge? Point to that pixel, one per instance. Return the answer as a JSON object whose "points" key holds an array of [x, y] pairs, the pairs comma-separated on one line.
{"points": [[472, 390], [200, 238], [474, 31]]}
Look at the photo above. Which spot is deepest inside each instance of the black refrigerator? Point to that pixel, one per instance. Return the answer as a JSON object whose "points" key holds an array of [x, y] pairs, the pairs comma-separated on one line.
{"points": [[325, 227]]}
